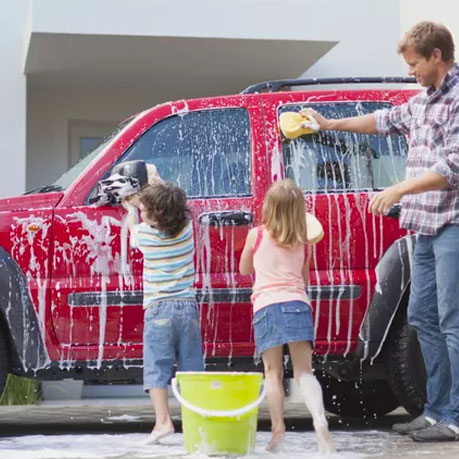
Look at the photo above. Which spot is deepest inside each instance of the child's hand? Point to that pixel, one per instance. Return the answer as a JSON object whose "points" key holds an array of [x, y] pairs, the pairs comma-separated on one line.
{"points": [[129, 206]]}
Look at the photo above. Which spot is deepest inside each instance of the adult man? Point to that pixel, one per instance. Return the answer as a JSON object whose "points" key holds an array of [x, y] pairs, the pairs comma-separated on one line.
{"points": [[430, 207]]}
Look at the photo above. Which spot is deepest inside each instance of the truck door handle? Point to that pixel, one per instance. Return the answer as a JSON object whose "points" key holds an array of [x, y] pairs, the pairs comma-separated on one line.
{"points": [[226, 218], [394, 211]]}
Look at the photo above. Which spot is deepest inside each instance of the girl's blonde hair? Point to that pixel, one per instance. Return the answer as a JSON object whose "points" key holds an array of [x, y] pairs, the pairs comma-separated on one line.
{"points": [[284, 213]]}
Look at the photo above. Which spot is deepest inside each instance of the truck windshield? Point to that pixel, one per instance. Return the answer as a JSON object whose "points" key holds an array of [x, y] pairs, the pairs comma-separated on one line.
{"points": [[68, 177]]}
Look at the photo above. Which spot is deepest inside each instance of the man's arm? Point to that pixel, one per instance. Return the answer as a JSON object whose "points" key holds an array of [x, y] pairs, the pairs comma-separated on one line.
{"points": [[428, 181], [449, 165], [445, 173], [396, 120], [364, 124]]}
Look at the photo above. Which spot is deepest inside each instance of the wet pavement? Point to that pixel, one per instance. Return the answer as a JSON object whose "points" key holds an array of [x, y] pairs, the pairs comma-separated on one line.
{"points": [[115, 428]]}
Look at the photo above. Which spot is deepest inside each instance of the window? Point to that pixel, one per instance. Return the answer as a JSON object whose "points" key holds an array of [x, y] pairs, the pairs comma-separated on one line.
{"points": [[88, 144], [85, 137], [68, 177], [333, 161], [207, 153]]}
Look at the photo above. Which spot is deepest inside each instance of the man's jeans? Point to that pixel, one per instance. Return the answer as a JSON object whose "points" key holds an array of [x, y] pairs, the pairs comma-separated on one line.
{"points": [[434, 312]]}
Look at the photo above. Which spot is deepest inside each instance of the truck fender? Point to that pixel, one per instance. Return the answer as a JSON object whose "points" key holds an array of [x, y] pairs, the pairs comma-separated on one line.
{"points": [[393, 276], [18, 320]]}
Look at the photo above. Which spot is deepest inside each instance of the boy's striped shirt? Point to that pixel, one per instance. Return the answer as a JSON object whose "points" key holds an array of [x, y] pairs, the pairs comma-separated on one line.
{"points": [[168, 268]]}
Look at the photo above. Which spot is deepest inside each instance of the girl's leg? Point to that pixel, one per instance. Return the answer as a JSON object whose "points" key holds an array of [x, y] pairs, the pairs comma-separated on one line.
{"points": [[274, 372], [311, 392]]}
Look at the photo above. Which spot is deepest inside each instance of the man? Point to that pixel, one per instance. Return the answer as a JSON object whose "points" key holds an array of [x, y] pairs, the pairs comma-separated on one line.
{"points": [[430, 207]]}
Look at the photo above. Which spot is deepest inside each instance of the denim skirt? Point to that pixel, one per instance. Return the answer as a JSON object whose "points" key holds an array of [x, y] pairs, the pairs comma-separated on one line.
{"points": [[282, 323]]}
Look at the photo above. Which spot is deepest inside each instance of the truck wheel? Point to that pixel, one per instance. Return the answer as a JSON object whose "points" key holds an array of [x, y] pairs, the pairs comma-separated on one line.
{"points": [[405, 368], [361, 399], [3, 364]]}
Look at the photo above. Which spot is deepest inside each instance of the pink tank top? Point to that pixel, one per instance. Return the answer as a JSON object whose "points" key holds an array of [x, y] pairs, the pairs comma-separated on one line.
{"points": [[278, 272]]}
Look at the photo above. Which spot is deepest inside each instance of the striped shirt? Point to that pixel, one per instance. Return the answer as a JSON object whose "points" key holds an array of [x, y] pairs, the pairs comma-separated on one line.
{"points": [[431, 119], [168, 268]]}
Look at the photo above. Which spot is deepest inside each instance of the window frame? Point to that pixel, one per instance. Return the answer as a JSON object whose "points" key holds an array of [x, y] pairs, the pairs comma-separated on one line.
{"points": [[314, 105], [197, 197]]}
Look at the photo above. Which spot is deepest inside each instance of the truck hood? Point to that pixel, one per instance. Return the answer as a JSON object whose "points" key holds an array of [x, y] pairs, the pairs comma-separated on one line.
{"points": [[31, 201]]}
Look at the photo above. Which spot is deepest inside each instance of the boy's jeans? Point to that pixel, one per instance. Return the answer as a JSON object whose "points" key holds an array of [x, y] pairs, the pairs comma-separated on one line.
{"points": [[171, 335], [434, 312]]}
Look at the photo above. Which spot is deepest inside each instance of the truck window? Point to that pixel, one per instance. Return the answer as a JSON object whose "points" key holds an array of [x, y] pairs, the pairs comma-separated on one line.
{"points": [[207, 153], [68, 177], [335, 161]]}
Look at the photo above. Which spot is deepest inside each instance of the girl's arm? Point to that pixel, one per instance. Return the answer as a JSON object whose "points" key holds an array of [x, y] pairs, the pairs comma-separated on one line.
{"points": [[306, 266], [246, 262]]}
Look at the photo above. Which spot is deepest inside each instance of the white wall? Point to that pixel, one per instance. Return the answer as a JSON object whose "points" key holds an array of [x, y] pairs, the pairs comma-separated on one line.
{"points": [[13, 26], [283, 19], [444, 11], [48, 118], [368, 32]]}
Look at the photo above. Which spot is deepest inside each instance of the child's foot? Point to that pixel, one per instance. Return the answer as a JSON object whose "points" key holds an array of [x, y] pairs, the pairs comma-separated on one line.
{"points": [[324, 439], [158, 433], [276, 442]]}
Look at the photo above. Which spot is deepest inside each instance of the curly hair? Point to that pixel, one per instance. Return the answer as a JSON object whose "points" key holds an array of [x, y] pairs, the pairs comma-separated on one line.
{"points": [[166, 205]]}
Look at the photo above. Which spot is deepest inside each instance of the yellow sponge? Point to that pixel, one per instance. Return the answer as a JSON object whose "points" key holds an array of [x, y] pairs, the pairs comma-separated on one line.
{"points": [[291, 125], [314, 229]]}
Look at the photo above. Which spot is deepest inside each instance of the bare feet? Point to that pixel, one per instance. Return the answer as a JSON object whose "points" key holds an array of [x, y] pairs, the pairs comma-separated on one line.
{"points": [[324, 439], [159, 432], [276, 442]]}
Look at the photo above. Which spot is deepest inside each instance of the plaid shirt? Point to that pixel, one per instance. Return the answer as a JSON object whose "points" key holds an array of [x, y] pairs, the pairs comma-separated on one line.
{"points": [[431, 120]]}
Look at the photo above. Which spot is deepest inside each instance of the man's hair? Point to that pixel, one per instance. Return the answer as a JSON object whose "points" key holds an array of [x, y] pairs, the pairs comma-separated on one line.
{"points": [[284, 214], [166, 205], [425, 37]]}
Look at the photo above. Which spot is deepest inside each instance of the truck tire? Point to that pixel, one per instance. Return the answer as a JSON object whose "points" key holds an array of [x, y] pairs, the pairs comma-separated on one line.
{"points": [[3, 364], [405, 368], [361, 399]]}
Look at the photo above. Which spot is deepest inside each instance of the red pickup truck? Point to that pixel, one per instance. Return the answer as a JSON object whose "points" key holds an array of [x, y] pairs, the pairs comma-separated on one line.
{"points": [[71, 287]]}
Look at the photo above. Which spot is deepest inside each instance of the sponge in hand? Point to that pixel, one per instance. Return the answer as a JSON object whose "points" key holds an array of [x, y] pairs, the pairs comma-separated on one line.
{"points": [[292, 124]]}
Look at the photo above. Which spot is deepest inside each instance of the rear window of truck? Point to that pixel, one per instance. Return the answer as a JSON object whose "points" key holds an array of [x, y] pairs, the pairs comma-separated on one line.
{"points": [[338, 161]]}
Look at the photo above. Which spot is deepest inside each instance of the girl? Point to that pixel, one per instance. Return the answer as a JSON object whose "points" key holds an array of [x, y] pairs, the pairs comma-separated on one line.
{"points": [[277, 254]]}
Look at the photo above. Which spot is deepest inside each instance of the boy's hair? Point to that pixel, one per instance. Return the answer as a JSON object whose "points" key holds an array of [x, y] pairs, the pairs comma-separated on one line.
{"points": [[166, 205], [284, 213], [425, 37]]}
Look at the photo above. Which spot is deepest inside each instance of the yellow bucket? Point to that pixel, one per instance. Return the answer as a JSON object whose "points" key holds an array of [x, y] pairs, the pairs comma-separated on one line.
{"points": [[219, 411]]}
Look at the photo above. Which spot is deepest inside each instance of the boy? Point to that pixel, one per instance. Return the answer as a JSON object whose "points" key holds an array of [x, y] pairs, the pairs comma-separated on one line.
{"points": [[171, 322]]}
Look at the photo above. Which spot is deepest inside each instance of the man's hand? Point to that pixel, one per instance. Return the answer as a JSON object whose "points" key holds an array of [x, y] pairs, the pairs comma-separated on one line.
{"points": [[321, 123], [382, 202]]}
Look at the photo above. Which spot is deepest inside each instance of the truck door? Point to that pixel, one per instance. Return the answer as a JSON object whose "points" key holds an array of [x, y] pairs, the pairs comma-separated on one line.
{"points": [[339, 172], [214, 150]]}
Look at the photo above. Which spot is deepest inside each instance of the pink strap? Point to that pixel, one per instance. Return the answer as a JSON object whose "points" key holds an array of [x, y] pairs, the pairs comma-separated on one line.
{"points": [[259, 238]]}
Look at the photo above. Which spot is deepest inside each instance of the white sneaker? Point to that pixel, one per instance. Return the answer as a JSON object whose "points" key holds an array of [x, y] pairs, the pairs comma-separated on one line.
{"points": [[157, 435]]}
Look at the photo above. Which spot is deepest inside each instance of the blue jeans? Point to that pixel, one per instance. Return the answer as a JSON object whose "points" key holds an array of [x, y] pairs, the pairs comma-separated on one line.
{"points": [[282, 323], [434, 313], [171, 335]]}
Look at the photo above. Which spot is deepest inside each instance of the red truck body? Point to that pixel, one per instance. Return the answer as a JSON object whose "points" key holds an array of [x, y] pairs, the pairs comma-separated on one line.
{"points": [[85, 282]]}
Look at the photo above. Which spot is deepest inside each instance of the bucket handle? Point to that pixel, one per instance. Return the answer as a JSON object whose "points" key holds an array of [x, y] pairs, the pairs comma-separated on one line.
{"points": [[217, 413]]}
